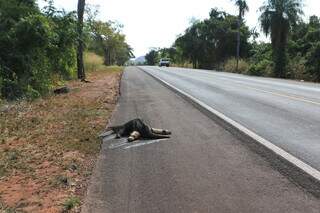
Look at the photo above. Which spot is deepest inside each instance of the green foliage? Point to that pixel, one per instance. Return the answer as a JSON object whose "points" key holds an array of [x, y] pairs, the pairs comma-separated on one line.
{"points": [[207, 43], [294, 51], [64, 26], [34, 47], [152, 57], [302, 49], [277, 19], [106, 38], [231, 66], [262, 68], [71, 203], [313, 61], [297, 68], [243, 7]]}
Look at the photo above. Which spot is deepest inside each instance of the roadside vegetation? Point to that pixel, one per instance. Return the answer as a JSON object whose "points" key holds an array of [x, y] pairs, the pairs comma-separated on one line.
{"points": [[39, 46], [215, 43], [48, 146], [49, 143]]}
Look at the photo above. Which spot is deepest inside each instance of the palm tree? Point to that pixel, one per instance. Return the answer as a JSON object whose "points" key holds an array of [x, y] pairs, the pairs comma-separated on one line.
{"points": [[243, 8], [277, 18]]}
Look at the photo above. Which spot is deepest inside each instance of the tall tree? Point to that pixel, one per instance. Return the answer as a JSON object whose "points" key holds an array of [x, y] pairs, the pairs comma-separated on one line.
{"points": [[209, 42], [277, 19], [81, 71], [151, 57], [243, 8]]}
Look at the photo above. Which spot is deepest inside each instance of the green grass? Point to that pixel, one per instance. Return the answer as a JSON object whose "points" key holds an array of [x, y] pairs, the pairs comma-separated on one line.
{"points": [[71, 203]]}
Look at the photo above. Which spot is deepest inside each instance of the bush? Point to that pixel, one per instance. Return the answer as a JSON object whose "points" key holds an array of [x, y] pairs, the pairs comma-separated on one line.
{"points": [[231, 66], [313, 61], [92, 61], [34, 48], [71, 203], [30, 66], [262, 68], [297, 69]]}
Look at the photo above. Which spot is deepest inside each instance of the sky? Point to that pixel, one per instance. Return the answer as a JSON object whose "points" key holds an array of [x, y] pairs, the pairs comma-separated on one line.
{"points": [[157, 23]]}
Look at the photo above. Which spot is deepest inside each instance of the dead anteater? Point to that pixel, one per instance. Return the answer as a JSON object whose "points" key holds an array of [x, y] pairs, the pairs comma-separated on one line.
{"points": [[136, 129]]}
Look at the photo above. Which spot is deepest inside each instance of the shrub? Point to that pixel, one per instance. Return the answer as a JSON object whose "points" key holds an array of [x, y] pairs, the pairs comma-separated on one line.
{"points": [[71, 203], [34, 48], [92, 61], [297, 69], [313, 62], [231, 66], [262, 68]]}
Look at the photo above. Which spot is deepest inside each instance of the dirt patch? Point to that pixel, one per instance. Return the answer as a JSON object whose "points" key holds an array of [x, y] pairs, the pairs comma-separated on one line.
{"points": [[48, 147]]}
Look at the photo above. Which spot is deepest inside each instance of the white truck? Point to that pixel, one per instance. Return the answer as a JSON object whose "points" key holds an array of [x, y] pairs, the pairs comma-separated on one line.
{"points": [[164, 62]]}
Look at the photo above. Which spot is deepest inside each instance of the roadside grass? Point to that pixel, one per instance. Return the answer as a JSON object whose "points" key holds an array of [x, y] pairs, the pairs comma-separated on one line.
{"points": [[231, 66], [93, 62], [48, 146], [183, 65], [5, 209], [71, 203]]}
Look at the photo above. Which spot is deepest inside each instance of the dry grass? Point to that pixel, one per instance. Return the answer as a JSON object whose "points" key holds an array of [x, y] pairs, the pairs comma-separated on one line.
{"points": [[48, 147], [93, 62], [231, 66], [184, 65]]}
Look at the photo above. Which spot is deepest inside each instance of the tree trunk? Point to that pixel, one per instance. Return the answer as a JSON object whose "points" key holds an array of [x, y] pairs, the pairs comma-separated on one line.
{"points": [[106, 53], [80, 64], [238, 44], [279, 45]]}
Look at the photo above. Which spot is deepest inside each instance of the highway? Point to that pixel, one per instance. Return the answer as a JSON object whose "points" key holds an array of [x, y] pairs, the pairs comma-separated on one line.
{"points": [[201, 168], [287, 113]]}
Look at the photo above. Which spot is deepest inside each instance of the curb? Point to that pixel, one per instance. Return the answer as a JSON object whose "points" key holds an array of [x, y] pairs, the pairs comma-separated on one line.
{"points": [[296, 170]]}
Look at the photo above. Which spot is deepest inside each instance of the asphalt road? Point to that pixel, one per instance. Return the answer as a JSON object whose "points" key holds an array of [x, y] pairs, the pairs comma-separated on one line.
{"points": [[202, 168], [287, 113]]}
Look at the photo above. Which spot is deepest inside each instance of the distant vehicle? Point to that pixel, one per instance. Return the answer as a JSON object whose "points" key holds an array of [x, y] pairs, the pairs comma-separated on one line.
{"points": [[164, 62]]}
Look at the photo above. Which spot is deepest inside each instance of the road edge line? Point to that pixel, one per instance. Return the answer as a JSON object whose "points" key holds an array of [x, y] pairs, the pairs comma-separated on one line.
{"points": [[304, 167]]}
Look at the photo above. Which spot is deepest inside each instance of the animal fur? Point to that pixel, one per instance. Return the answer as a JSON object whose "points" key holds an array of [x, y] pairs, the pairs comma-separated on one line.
{"points": [[137, 125]]}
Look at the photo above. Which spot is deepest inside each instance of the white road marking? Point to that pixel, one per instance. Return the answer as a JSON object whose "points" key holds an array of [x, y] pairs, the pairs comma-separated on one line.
{"points": [[108, 138], [144, 143], [244, 85], [279, 151], [293, 97], [122, 142]]}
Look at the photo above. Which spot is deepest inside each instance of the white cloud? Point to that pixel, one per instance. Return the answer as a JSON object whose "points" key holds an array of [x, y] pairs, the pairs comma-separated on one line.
{"points": [[156, 23]]}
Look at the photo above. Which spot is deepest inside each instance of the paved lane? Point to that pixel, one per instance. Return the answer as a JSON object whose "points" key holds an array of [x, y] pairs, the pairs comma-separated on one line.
{"points": [[286, 113], [201, 168]]}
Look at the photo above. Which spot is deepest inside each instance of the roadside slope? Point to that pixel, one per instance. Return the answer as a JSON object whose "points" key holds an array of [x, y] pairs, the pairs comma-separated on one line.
{"points": [[202, 168], [48, 146]]}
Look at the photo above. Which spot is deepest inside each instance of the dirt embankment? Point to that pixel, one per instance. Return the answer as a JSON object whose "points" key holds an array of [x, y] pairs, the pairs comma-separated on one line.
{"points": [[48, 147]]}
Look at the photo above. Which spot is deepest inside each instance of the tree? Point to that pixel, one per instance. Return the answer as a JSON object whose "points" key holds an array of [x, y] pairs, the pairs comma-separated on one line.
{"points": [[313, 62], [208, 43], [36, 48], [243, 8], [190, 43], [107, 39], [151, 57], [80, 64], [277, 19]]}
